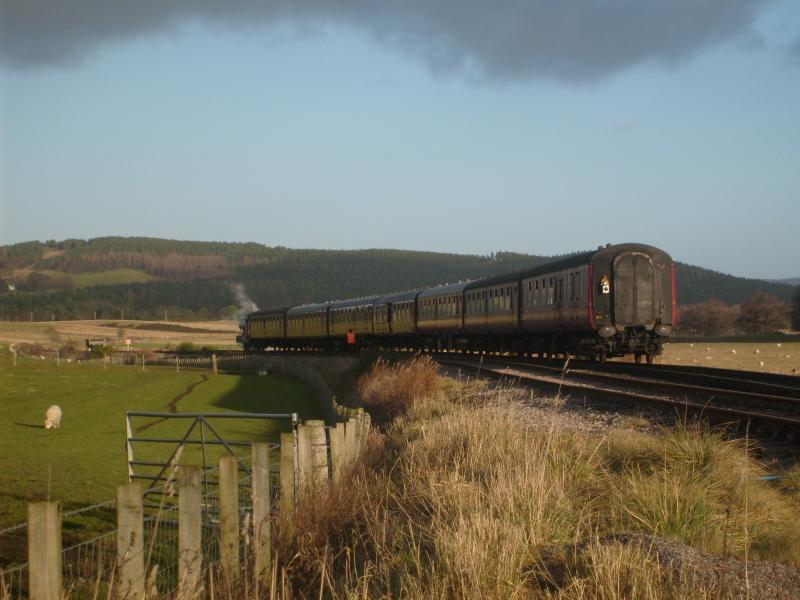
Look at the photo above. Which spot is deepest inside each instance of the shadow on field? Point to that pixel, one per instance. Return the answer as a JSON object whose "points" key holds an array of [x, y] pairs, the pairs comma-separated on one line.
{"points": [[31, 425], [268, 394]]}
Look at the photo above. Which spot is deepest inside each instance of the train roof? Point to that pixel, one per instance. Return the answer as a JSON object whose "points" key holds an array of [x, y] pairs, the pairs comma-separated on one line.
{"points": [[445, 290], [267, 311], [367, 301], [398, 297], [305, 309], [575, 260]]}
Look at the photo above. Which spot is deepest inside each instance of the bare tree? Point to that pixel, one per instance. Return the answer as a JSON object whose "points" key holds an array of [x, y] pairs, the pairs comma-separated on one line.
{"points": [[712, 317], [763, 313], [796, 310]]}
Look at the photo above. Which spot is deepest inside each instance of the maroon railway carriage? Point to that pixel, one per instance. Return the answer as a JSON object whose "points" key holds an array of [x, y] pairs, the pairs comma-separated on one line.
{"points": [[616, 300]]}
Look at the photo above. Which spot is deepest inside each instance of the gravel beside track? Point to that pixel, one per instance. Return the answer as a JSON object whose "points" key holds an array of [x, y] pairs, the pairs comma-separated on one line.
{"points": [[772, 417]]}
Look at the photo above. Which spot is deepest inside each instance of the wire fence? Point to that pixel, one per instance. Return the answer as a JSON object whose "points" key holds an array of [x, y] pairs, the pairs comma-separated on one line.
{"points": [[89, 535]]}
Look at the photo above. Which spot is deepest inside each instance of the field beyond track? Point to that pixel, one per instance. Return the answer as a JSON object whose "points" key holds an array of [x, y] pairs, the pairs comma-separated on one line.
{"points": [[82, 462], [766, 357], [144, 334]]}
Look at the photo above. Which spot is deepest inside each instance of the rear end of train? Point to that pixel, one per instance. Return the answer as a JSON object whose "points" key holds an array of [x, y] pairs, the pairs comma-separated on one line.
{"points": [[633, 301]]}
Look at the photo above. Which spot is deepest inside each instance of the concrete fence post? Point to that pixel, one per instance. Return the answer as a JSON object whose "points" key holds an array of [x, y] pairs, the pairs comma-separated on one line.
{"points": [[130, 541], [288, 473], [339, 459], [190, 561], [214, 364], [261, 499], [177, 363], [229, 517], [44, 551]]}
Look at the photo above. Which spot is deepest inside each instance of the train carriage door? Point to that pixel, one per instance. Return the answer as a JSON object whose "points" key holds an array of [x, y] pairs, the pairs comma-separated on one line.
{"points": [[634, 288], [558, 300]]}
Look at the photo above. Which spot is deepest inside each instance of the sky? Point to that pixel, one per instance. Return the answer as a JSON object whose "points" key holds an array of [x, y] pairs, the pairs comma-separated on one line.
{"points": [[456, 126]]}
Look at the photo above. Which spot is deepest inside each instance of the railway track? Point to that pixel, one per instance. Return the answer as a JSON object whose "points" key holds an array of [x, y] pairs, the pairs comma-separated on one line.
{"points": [[769, 410], [766, 405]]}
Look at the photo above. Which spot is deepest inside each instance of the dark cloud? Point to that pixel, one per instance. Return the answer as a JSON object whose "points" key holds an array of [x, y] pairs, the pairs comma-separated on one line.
{"points": [[511, 39]]}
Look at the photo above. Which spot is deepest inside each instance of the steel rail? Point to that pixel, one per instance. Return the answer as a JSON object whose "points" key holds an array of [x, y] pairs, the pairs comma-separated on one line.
{"points": [[630, 397], [695, 389]]}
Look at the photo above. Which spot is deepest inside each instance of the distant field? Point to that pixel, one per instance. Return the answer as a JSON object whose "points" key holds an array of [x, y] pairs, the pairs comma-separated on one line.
{"points": [[776, 357], [114, 277], [218, 334], [84, 461]]}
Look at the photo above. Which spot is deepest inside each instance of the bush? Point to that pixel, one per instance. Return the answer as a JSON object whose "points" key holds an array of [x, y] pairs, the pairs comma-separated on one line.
{"points": [[186, 347]]}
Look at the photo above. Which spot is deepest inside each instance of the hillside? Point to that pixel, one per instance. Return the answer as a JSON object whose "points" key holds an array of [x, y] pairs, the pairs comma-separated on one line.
{"points": [[190, 280]]}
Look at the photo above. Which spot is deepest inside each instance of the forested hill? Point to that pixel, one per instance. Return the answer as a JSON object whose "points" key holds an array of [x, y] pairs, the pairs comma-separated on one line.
{"points": [[147, 276]]}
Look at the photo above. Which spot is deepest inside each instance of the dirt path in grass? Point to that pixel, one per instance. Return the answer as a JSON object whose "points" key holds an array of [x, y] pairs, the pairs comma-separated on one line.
{"points": [[173, 405]]}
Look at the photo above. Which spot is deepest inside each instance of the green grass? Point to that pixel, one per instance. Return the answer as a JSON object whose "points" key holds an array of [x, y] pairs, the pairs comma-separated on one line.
{"points": [[113, 277], [83, 461]]}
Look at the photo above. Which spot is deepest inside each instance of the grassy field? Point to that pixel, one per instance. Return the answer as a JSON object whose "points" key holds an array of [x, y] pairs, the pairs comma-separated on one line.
{"points": [[113, 277], [83, 461], [768, 357]]}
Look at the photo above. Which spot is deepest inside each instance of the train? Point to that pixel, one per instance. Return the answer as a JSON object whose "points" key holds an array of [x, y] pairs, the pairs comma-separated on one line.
{"points": [[614, 301]]}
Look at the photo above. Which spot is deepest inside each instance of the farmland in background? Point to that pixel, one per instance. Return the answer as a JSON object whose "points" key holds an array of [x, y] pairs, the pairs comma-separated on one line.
{"points": [[145, 334], [767, 357], [112, 277]]}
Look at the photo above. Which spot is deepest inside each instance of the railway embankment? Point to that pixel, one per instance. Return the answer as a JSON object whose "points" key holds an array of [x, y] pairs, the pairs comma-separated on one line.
{"points": [[471, 489]]}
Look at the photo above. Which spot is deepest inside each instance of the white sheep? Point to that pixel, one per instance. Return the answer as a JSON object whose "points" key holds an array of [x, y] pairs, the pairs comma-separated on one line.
{"points": [[52, 418]]}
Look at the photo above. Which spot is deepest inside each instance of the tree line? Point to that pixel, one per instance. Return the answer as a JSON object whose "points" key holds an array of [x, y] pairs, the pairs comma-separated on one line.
{"points": [[761, 313], [271, 276]]}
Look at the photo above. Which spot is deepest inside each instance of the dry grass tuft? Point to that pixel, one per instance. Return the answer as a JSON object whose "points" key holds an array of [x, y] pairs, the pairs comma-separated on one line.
{"points": [[388, 389], [465, 496]]}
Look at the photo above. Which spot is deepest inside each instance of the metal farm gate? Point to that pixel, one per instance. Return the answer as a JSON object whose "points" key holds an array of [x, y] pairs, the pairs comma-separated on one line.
{"points": [[156, 442]]}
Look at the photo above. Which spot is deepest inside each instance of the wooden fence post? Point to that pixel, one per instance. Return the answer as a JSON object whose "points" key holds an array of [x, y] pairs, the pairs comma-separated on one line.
{"points": [[313, 454], [351, 438], [190, 559], [287, 475], [319, 454], [130, 541], [44, 551], [339, 458], [177, 364], [359, 431], [229, 517], [304, 461], [214, 363], [261, 500]]}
